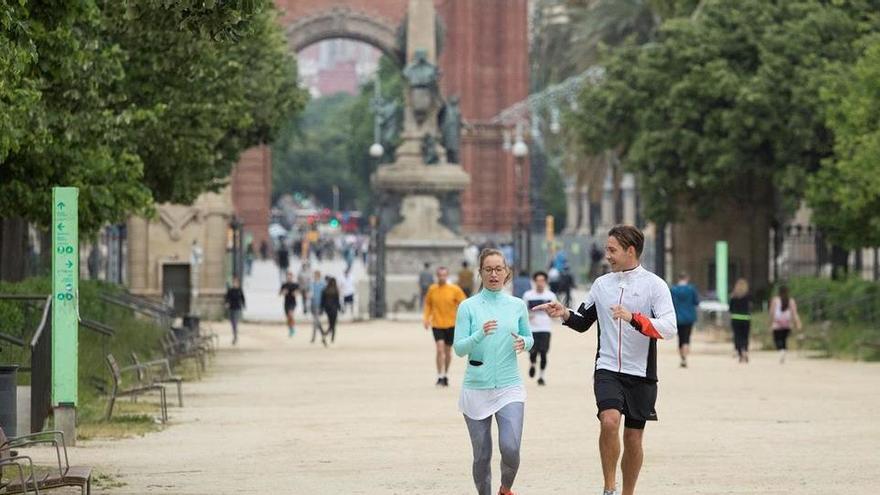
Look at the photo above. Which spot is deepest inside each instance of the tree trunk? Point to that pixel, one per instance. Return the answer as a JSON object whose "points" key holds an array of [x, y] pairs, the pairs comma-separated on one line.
{"points": [[839, 262], [13, 249]]}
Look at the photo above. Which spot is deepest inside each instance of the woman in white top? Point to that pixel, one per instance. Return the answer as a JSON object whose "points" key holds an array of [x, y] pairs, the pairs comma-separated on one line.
{"points": [[783, 317]]}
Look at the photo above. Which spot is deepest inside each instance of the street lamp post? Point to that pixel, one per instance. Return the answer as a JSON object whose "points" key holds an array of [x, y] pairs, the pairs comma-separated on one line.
{"points": [[522, 239], [376, 267]]}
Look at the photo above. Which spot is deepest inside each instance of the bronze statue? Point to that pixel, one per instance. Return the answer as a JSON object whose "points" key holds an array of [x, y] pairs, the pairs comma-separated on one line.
{"points": [[450, 129], [420, 73], [429, 150], [422, 78]]}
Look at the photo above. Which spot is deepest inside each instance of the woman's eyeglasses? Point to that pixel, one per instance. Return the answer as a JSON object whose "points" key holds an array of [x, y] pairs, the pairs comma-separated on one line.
{"points": [[498, 269]]}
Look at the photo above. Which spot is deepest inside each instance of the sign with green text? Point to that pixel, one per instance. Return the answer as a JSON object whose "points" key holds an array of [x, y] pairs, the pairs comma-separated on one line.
{"points": [[65, 294], [721, 270]]}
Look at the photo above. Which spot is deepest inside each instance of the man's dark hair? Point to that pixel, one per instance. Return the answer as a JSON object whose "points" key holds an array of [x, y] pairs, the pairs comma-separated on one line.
{"points": [[539, 274], [427, 265], [464, 264], [627, 236]]}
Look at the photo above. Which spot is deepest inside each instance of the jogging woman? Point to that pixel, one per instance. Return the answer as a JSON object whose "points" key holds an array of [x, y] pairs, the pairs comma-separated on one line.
{"points": [[741, 318], [784, 314], [491, 328]]}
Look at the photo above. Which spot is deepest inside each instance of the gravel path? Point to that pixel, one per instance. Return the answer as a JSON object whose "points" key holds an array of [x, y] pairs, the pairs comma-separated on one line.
{"points": [[279, 415]]}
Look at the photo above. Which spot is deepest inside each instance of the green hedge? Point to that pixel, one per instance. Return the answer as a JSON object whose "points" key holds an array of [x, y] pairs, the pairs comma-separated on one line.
{"points": [[851, 306]]}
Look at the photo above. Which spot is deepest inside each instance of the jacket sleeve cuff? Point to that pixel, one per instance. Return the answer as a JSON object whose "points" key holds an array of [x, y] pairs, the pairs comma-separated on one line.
{"points": [[643, 324]]}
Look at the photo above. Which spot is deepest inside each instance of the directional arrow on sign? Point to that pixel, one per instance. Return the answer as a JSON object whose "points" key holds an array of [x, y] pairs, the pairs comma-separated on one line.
{"points": [[61, 205], [69, 264], [60, 226]]}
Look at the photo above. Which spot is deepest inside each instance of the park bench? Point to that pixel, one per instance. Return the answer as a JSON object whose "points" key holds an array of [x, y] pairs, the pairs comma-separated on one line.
{"points": [[176, 351], [36, 479], [158, 371], [119, 390], [814, 338]]}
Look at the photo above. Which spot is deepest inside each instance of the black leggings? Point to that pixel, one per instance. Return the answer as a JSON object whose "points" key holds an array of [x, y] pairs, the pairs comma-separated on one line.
{"points": [[533, 357], [741, 335], [780, 338], [331, 326], [540, 347]]}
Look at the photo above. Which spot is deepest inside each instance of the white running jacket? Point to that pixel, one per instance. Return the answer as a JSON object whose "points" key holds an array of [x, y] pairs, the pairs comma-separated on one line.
{"points": [[629, 348]]}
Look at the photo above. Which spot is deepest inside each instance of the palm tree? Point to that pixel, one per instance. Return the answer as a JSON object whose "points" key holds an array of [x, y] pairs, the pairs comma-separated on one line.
{"points": [[572, 35]]}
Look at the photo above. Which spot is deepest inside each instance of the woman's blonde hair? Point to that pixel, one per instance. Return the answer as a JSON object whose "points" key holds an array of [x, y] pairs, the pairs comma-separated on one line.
{"points": [[494, 252], [740, 288]]}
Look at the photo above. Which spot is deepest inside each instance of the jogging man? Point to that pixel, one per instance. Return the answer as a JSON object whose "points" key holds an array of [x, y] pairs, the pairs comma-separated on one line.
{"points": [[540, 323], [441, 305], [633, 308]]}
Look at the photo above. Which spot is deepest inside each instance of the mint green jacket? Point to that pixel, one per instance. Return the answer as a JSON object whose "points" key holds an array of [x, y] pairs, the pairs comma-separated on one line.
{"points": [[495, 352]]}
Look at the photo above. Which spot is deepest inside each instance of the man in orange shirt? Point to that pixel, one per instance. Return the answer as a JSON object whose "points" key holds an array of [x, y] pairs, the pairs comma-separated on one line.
{"points": [[441, 304]]}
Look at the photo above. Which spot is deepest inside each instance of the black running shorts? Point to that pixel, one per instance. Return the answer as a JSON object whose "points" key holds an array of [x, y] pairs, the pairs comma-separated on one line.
{"points": [[684, 334], [633, 396], [542, 342], [444, 334]]}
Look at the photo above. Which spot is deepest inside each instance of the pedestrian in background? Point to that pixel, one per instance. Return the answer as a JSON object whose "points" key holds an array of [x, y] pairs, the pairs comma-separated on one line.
{"points": [[441, 305], [784, 316], [288, 290], [466, 279], [348, 291], [234, 302], [331, 305], [316, 288], [283, 259], [741, 318], [685, 299], [521, 284], [303, 280]]}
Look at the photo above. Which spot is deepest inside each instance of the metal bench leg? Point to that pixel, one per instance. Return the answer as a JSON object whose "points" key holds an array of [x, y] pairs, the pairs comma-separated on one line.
{"points": [[180, 394], [110, 407], [163, 404]]}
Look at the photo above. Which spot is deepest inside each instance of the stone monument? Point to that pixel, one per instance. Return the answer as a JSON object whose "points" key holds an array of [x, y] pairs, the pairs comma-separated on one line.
{"points": [[420, 190]]}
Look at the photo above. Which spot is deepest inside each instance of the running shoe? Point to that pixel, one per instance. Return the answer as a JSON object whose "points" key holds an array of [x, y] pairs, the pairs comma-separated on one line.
{"points": [[531, 372], [609, 492], [445, 381], [541, 382], [439, 382]]}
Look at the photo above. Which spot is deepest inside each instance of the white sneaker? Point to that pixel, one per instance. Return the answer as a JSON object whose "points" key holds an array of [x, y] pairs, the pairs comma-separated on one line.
{"points": [[609, 492]]}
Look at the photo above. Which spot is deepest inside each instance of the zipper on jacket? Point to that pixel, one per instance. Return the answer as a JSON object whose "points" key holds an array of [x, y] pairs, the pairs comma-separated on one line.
{"points": [[620, 336]]}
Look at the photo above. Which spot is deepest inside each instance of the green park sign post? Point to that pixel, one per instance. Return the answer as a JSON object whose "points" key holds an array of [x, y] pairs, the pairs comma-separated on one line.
{"points": [[721, 270], [65, 308]]}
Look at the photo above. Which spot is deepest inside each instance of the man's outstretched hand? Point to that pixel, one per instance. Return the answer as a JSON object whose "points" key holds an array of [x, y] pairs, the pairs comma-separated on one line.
{"points": [[554, 309]]}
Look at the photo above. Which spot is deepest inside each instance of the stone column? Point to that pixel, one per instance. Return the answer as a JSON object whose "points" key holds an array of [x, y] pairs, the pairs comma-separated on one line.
{"points": [[138, 255], [584, 222], [628, 190]]}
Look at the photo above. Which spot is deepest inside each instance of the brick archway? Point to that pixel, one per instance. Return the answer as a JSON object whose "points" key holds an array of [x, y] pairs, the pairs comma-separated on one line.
{"points": [[343, 22], [485, 61]]}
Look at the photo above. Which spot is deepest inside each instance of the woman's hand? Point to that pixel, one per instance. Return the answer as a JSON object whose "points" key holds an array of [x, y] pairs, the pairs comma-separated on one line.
{"points": [[489, 327], [519, 344]]}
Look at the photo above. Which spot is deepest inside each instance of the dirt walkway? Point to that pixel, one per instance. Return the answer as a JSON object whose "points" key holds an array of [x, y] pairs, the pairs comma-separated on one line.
{"points": [[363, 417]]}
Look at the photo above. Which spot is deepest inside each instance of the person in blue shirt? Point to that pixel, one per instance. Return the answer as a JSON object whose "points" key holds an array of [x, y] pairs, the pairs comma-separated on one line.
{"points": [[491, 328], [685, 299], [522, 283], [316, 288]]}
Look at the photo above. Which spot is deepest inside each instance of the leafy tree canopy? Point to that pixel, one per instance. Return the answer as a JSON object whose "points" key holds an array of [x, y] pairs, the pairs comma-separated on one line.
{"points": [[726, 104]]}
